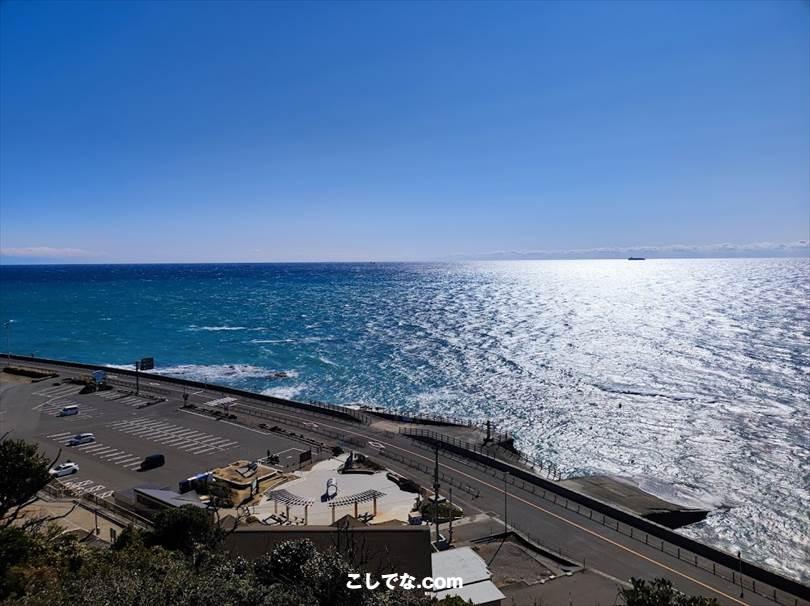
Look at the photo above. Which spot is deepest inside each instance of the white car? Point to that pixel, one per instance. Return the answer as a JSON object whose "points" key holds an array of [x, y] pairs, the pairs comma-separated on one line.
{"points": [[64, 469]]}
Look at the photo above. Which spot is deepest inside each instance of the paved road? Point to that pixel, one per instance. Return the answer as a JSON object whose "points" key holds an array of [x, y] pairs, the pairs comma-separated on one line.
{"points": [[119, 425]]}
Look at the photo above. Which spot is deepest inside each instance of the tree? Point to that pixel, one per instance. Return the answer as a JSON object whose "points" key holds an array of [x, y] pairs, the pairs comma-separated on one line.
{"points": [[660, 592], [24, 472], [284, 563], [185, 529]]}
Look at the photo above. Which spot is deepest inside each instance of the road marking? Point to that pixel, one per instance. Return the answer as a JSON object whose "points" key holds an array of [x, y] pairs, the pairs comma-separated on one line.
{"points": [[82, 446], [248, 428], [128, 459], [98, 449], [62, 434], [177, 436], [58, 391], [120, 457]]}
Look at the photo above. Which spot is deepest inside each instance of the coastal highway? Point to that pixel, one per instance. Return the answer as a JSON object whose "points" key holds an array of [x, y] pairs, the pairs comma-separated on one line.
{"points": [[127, 428]]}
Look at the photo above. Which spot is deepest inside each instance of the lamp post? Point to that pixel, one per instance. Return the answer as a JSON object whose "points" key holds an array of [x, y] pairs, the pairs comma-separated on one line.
{"points": [[742, 587]]}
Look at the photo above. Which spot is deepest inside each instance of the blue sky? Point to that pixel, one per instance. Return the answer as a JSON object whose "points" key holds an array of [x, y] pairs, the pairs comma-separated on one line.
{"points": [[263, 131]]}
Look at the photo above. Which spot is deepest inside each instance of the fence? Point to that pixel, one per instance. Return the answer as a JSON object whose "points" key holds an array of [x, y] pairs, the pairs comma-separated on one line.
{"points": [[116, 509], [58, 490], [142, 387], [428, 469], [263, 413], [745, 575], [536, 464]]}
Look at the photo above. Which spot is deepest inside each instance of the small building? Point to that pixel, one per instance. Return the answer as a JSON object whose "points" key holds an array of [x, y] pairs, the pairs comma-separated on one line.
{"points": [[242, 480], [148, 501], [467, 565]]}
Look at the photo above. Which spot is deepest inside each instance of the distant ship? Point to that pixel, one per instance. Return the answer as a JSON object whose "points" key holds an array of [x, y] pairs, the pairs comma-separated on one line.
{"points": [[636, 259]]}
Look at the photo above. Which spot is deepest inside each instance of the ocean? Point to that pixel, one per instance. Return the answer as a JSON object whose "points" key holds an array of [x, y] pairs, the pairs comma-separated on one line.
{"points": [[689, 376]]}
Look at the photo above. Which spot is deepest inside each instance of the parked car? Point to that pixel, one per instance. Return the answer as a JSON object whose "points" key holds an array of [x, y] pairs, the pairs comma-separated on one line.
{"points": [[81, 438], [68, 411], [152, 461], [64, 469]]}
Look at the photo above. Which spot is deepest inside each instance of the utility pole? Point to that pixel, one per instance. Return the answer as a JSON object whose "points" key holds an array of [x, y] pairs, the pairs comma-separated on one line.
{"points": [[436, 486], [505, 511], [450, 532], [137, 382], [742, 587]]}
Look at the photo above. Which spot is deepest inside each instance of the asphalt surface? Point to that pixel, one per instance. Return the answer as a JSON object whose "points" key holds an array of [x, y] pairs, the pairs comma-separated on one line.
{"points": [[160, 428]]}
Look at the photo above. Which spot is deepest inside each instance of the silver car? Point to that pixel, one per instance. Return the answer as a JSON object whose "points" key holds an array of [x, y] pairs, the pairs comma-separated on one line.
{"points": [[81, 438], [64, 469]]}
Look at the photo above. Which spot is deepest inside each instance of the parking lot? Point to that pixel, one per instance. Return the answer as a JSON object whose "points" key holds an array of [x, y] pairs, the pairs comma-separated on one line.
{"points": [[128, 428]]}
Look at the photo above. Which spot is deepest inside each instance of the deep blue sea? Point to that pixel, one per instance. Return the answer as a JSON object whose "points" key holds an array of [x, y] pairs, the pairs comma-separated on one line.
{"points": [[690, 376]]}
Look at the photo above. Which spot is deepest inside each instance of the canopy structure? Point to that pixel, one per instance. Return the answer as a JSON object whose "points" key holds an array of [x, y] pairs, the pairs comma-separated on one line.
{"points": [[355, 499]]}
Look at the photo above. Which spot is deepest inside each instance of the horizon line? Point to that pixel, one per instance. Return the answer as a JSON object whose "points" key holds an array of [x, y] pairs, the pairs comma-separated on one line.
{"points": [[462, 259]]}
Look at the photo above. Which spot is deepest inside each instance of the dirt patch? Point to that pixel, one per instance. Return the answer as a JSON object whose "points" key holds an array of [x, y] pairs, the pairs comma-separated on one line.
{"points": [[512, 564]]}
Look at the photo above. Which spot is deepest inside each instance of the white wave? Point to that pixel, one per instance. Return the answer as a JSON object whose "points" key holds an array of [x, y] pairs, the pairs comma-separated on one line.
{"points": [[193, 328], [298, 340], [288, 392], [216, 373], [121, 366]]}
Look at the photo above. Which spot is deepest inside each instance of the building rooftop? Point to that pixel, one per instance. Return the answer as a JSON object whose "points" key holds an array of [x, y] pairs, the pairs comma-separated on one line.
{"points": [[170, 497], [483, 592], [243, 472], [460, 562]]}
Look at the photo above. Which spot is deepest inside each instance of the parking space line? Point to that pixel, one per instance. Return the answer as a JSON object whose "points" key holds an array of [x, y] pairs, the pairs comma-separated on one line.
{"points": [[120, 457], [145, 430], [93, 446], [84, 446], [102, 451]]}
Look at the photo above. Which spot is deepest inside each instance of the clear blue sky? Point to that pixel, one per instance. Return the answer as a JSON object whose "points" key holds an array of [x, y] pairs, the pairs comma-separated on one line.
{"points": [[187, 131]]}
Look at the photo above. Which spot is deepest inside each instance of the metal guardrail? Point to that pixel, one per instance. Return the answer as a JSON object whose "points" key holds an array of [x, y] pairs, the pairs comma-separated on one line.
{"points": [[535, 464], [143, 389], [427, 469], [58, 490], [116, 509]]}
